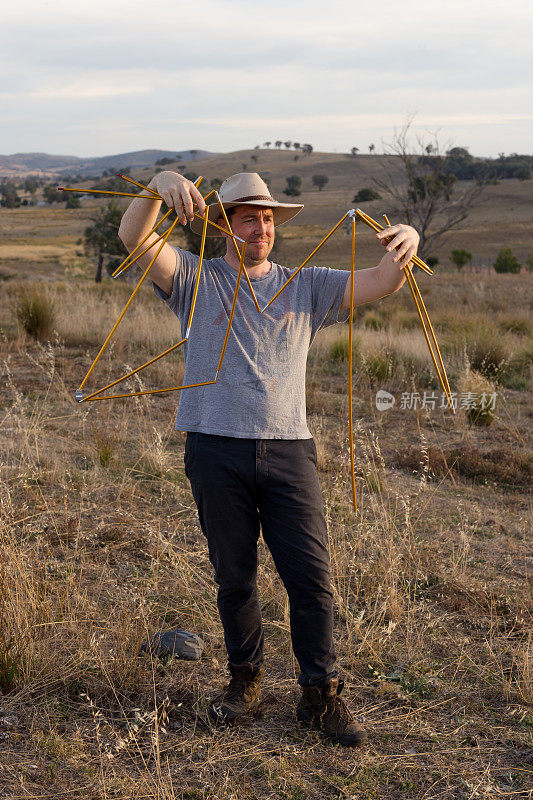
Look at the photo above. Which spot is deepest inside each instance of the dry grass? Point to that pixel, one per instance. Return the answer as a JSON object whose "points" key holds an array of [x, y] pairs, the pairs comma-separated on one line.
{"points": [[35, 311], [100, 545]]}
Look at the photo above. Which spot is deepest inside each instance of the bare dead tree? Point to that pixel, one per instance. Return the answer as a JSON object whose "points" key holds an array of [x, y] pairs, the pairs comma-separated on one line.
{"points": [[424, 191]]}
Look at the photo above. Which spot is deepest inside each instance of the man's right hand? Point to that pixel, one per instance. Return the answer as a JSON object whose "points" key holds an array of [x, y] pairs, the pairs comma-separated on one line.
{"points": [[179, 193]]}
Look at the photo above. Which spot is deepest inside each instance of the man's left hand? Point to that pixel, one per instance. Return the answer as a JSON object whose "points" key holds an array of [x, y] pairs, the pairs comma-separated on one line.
{"points": [[404, 239]]}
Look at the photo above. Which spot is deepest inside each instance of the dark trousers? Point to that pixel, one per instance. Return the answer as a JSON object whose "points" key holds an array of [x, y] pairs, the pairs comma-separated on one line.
{"points": [[241, 486]]}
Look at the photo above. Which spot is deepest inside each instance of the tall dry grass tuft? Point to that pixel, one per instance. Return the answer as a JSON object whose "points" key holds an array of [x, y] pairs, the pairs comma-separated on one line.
{"points": [[35, 310], [480, 409]]}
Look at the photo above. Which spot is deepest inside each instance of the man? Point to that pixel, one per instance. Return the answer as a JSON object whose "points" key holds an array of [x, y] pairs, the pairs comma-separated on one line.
{"points": [[249, 456]]}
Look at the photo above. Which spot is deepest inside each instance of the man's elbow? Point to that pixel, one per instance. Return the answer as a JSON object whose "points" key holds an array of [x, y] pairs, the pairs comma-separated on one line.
{"points": [[126, 239]]}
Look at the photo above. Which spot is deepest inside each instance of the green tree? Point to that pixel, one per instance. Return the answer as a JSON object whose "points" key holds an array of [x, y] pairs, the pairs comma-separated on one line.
{"points": [[460, 258], [366, 196], [101, 239], [320, 181], [8, 193], [293, 186], [52, 195], [30, 185], [354, 151], [506, 261], [73, 200]]}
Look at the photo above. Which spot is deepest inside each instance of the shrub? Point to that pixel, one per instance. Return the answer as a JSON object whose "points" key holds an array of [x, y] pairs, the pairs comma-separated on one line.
{"points": [[320, 181], [340, 350], [461, 257], [73, 201], [519, 325], [487, 352], [366, 196], [373, 321], [35, 311], [518, 375], [405, 320], [380, 364], [479, 410], [501, 466], [293, 186], [506, 261]]}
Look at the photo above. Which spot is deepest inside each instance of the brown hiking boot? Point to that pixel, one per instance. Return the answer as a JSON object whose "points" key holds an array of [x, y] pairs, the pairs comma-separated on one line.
{"points": [[321, 707], [241, 695]]}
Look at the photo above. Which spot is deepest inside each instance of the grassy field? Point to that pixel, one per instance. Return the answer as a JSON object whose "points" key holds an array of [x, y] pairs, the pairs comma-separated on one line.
{"points": [[100, 545], [44, 240]]}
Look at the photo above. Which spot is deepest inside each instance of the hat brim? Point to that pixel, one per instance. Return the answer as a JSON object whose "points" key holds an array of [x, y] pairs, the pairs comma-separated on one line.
{"points": [[283, 212]]}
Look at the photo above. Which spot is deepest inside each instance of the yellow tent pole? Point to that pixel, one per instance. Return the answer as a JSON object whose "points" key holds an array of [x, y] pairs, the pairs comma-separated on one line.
{"points": [[149, 391], [429, 333], [377, 227], [230, 319], [129, 260], [135, 183], [229, 229], [310, 256], [106, 191], [134, 371], [197, 282], [126, 264], [350, 368], [121, 316], [99, 396]]}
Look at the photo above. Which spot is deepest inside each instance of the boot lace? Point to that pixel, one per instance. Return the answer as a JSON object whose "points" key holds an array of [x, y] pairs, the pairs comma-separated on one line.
{"points": [[235, 689], [338, 713]]}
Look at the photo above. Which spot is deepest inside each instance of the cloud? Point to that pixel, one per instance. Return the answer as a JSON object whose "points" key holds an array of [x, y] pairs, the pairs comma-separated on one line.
{"points": [[224, 71]]}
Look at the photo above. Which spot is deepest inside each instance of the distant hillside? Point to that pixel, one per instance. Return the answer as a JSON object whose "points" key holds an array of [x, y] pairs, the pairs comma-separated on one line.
{"points": [[20, 164]]}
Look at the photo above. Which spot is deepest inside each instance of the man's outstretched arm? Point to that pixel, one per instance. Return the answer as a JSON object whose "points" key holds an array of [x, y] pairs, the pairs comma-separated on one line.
{"points": [[178, 193], [388, 276]]}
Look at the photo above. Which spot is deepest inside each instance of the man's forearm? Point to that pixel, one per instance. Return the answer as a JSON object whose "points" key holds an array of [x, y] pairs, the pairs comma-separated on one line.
{"points": [[139, 219], [374, 283], [390, 277]]}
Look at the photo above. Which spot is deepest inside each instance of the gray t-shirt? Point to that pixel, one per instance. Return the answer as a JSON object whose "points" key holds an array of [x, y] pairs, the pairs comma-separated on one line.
{"points": [[260, 391]]}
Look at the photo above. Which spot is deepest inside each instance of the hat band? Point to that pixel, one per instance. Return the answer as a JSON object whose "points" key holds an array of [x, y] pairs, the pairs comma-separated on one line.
{"points": [[252, 197]]}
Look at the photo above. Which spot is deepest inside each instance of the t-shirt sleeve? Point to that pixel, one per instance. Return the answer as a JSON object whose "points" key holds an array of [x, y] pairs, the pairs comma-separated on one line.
{"points": [[185, 271], [327, 290]]}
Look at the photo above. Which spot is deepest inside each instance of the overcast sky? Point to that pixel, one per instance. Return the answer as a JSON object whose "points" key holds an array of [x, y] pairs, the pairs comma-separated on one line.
{"points": [[97, 77]]}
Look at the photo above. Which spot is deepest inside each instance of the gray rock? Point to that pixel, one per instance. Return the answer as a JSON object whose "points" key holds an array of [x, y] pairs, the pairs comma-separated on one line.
{"points": [[178, 643]]}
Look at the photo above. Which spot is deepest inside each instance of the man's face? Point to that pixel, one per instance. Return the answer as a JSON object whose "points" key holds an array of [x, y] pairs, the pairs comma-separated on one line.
{"points": [[256, 226]]}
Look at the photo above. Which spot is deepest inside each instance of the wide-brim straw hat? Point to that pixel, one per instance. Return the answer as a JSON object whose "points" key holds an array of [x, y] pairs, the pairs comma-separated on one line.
{"points": [[245, 189]]}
